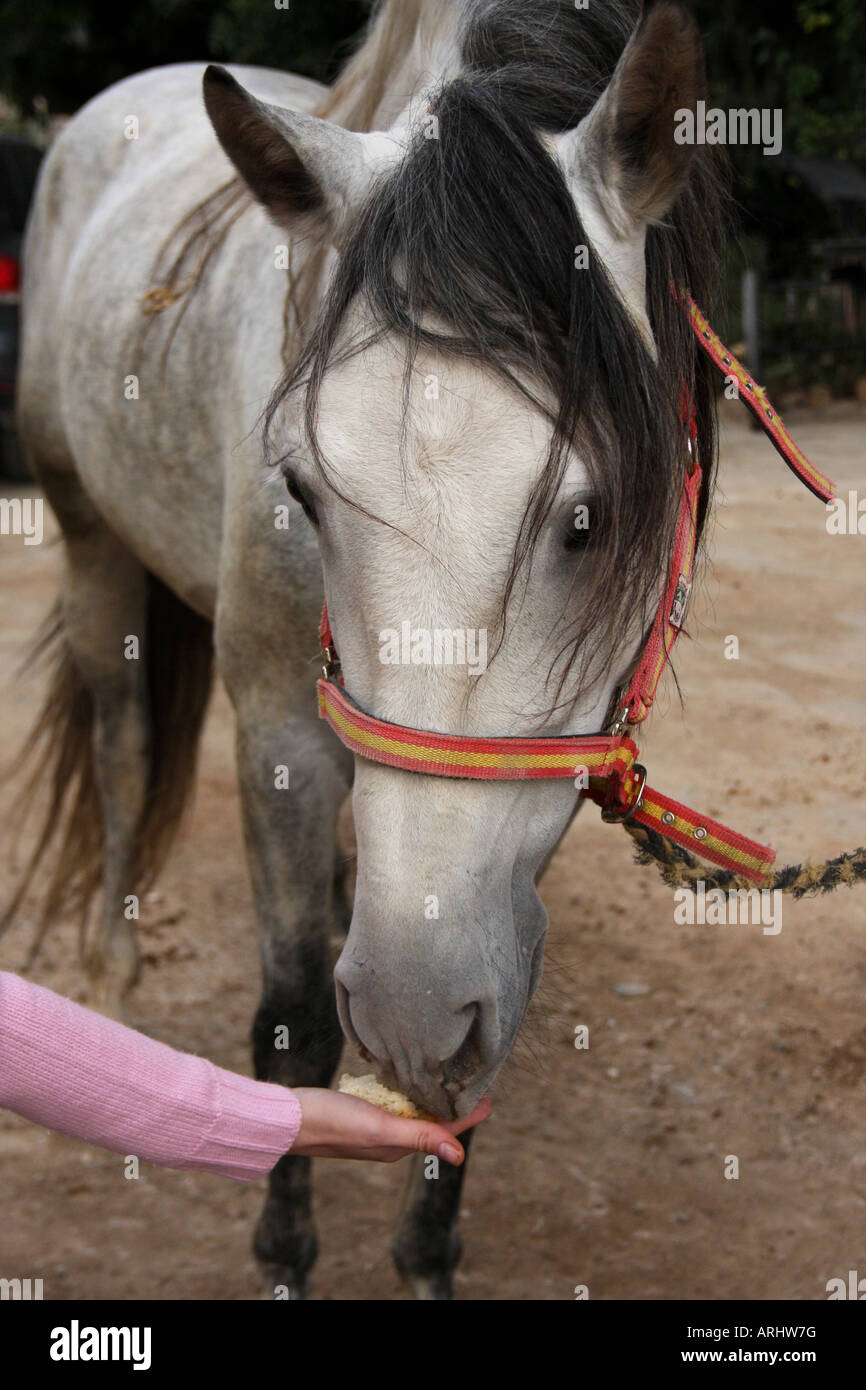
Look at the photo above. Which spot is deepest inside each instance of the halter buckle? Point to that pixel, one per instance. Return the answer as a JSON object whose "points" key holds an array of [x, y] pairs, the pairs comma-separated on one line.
{"points": [[620, 721], [693, 458], [614, 817]]}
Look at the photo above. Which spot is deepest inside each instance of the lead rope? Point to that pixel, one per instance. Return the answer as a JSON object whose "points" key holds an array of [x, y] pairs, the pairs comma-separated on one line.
{"points": [[679, 869]]}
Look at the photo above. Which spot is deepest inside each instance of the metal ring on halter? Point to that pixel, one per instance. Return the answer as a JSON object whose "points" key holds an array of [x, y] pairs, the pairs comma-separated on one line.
{"points": [[614, 817]]}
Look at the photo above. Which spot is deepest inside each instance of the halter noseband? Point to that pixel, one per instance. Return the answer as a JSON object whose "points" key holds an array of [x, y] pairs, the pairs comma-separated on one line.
{"points": [[604, 764]]}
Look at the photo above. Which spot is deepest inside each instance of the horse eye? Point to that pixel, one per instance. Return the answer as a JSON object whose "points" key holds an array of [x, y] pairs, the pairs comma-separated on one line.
{"points": [[576, 542], [295, 490], [579, 533]]}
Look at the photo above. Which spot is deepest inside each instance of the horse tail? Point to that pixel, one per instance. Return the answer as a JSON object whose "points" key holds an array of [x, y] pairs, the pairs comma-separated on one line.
{"points": [[59, 750]]}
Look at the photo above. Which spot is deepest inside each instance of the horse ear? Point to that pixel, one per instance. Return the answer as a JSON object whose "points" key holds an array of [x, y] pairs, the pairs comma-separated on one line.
{"points": [[624, 153], [308, 173]]}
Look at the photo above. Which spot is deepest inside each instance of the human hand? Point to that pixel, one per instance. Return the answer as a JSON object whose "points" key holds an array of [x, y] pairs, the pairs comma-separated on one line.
{"points": [[340, 1126]]}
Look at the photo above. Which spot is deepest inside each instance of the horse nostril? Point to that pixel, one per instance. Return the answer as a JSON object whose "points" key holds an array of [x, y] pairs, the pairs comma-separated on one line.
{"points": [[394, 1051], [467, 1059], [344, 1013]]}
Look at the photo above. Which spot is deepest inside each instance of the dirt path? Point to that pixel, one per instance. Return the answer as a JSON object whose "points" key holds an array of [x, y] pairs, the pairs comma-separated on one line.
{"points": [[602, 1167]]}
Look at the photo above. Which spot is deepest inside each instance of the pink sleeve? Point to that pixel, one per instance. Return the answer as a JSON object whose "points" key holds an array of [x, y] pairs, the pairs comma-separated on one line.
{"points": [[72, 1070]]}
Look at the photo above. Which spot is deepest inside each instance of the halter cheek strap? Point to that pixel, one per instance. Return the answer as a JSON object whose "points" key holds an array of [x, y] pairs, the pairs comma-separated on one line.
{"points": [[604, 767], [671, 612]]}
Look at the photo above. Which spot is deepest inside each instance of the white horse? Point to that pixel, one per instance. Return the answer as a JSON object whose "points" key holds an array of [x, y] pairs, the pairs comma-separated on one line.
{"points": [[481, 221]]}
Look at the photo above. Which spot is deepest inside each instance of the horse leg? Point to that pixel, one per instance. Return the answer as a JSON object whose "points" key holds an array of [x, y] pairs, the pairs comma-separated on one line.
{"points": [[104, 603], [426, 1246], [290, 837]]}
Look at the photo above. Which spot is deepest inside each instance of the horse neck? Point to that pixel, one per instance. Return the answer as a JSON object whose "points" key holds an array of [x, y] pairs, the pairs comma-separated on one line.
{"points": [[411, 44]]}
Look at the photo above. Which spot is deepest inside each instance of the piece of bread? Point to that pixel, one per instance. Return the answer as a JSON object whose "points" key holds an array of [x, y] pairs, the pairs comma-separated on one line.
{"points": [[368, 1088]]}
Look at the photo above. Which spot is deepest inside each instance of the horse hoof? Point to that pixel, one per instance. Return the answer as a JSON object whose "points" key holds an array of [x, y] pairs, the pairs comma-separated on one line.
{"points": [[283, 1284], [436, 1287]]}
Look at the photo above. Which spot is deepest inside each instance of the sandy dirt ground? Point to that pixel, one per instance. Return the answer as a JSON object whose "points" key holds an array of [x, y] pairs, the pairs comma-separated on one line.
{"points": [[603, 1167]]}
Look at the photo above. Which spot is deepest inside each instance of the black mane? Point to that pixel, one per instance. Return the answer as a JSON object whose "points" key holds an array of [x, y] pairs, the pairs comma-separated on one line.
{"points": [[477, 230]]}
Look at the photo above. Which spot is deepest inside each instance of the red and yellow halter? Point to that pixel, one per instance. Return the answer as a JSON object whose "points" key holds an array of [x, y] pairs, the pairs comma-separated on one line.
{"points": [[605, 764]]}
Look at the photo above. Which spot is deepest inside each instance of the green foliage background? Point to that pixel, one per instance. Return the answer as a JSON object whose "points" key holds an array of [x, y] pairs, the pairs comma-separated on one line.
{"points": [[806, 56], [66, 51]]}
